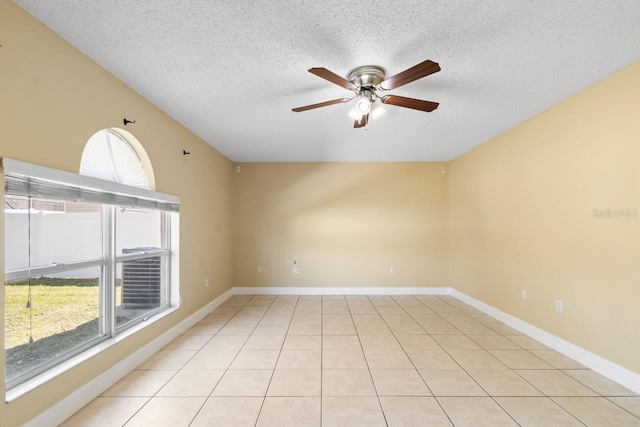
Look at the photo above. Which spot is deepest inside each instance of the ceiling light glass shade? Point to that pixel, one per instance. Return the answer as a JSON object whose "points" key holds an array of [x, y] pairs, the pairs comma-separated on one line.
{"points": [[363, 106], [354, 114], [377, 111]]}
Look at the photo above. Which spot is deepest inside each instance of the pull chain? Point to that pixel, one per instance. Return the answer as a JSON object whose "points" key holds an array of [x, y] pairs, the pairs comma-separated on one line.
{"points": [[29, 278]]}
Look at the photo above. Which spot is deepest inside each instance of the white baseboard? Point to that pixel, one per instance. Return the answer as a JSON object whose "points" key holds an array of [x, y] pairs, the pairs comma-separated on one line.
{"points": [[340, 290], [614, 372], [59, 412], [83, 395]]}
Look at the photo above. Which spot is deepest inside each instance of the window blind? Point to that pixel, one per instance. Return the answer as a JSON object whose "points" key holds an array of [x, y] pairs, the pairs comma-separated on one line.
{"points": [[24, 179]]}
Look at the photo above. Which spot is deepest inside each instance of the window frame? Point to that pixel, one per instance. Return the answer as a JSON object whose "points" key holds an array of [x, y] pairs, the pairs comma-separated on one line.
{"points": [[108, 194], [164, 253]]}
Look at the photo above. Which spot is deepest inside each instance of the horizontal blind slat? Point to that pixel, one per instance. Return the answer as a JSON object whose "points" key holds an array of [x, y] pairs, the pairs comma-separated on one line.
{"points": [[19, 185]]}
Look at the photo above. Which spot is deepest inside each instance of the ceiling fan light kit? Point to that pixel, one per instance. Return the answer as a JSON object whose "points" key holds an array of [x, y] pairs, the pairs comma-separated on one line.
{"points": [[366, 82], [363, 106]]}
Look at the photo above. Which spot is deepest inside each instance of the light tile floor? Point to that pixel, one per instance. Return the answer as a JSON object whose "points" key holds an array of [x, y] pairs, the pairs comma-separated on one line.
{"points": [[358, 361]]}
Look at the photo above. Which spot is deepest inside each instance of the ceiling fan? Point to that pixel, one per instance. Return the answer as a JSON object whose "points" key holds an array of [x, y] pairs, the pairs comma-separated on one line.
{"points": [[366, 82]]}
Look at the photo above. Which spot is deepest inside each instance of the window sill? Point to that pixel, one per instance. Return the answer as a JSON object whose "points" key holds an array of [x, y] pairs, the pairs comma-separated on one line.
{"points": [[35, 382]]}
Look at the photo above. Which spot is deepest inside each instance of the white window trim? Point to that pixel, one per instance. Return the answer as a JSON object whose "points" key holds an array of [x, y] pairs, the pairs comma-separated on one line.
{"points": [[15, 167]]}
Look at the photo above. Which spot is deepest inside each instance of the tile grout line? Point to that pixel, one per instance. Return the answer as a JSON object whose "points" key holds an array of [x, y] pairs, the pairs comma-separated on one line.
{"points": [[405, 352], [225, 371], [234, 358], [266, 392], [621, 407], [149, 398], [544, 395], [471, 376], [461, 367], [367, 361]]}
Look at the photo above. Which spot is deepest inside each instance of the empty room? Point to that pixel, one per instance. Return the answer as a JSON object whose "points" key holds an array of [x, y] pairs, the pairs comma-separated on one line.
{"points": [[326, 213]]}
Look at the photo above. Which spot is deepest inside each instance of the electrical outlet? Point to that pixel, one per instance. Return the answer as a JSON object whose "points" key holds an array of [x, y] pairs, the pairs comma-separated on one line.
{"points": [[206, 283], [524, 294], [392, 270], [297, 270], [259, 269], [559, 306]]}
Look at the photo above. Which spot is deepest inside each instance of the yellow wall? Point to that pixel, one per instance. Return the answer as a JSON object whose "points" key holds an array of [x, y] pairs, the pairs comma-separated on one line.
{"points": [[345, 224], [52, 99], [521, 217]]}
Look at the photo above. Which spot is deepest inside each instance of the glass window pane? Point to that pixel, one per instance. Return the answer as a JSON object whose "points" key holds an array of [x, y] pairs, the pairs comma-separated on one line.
{"points": [[63, 314], [138, 230], [16, 232], [140, 288], [61, 232]]}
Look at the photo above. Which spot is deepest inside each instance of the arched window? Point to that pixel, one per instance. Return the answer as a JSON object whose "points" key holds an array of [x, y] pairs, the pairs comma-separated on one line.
{"points": [[116, 155]]}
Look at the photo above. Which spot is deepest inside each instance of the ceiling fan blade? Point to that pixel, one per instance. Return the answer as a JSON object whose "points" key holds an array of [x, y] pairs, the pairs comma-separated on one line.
{"points": [[320, 104], [362, 122], [416, 72], [415, 104], [333, 78]]}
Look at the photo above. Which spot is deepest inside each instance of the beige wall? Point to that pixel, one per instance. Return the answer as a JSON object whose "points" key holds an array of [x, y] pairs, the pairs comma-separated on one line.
{"points": [[521, 217], [52, 99], [345, 224], [515, 213]]}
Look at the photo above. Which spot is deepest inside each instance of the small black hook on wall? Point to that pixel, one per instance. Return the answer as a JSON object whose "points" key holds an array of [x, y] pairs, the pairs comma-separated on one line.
{"points": [[126, 122], [185, 152]]}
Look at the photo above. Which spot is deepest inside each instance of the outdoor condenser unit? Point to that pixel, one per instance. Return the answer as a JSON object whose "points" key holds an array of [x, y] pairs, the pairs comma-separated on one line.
{"points": [[141, 280]]}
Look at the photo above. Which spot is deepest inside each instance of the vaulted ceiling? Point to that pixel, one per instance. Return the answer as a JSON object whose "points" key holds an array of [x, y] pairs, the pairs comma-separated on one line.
{"points": [[231, 70]]}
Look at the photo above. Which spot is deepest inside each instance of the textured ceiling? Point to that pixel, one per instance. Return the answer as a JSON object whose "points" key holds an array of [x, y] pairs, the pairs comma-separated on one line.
{"points": [[231, 70]]}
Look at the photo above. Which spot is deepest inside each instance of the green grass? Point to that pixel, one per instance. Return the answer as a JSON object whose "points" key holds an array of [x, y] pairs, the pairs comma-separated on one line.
{"points": [[64, 314], [55, 281], [55, 308]]}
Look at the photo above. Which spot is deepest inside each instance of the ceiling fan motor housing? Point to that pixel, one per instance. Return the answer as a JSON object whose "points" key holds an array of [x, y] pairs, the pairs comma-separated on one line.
{"points": [[367, 76]]}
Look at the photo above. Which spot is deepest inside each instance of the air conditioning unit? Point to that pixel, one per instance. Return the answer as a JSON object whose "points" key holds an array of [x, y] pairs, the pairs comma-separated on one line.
{"points": [[141, 280]]}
